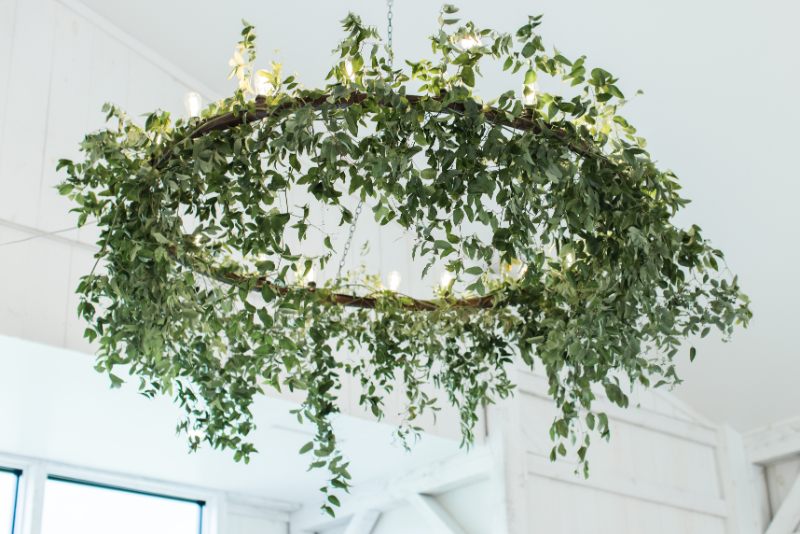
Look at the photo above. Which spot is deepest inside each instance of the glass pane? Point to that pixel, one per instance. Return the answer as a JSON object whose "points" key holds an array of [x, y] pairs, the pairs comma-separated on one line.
{"points": [[71, 508], [8, 495]]}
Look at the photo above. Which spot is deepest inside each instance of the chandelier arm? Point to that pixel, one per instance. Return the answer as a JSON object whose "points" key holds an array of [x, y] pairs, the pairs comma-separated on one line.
{"points": [[231, 119]]}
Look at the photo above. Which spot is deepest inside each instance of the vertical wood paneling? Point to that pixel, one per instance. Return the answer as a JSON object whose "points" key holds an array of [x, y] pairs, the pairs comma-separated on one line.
{"points": [[26, 111], [8, 10], [70, 85]]}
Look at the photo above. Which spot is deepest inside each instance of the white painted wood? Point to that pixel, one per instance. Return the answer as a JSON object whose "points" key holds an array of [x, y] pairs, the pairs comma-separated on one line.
{"points": [[644, 491], [363, 522], [141, 48], [26, 111], [780, 477], [32, 482], [788, 516], [774, 442], [7, 22], [508, 478], [740, 498], [436, 516], [434, 478], [758, 475], [537, 386]]}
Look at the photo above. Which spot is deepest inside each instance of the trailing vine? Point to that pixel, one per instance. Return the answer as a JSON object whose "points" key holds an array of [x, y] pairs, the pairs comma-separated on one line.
{"points": [[193, 295]]}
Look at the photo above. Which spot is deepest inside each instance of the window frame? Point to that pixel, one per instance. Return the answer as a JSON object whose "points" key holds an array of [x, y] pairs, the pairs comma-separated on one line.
{"points": [[14, 511], [125, 489]]}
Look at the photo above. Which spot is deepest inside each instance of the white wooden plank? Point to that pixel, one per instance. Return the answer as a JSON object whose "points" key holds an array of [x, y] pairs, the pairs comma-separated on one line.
{"points": [[22, 147], [780, 477], [33, 305], [641, 490], [363, 522], [131, 43], [437, 517], [788, 516], [7, 20], [509, 477], [537, 386], [434, 478], [734, 470], [774, 442], [32, 484], [70, 86]]}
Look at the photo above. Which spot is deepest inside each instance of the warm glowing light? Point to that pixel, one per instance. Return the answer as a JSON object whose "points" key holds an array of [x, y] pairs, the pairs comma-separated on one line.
{"points": [[394, 280], [194, 103], [445, 279], [311, 276], [348, 69], [469, 42], [530, 94], [262, 85]]}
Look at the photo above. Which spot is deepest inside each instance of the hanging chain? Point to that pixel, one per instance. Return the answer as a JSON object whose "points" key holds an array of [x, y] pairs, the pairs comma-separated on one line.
{"points": [[389, 16], [361, 202]]}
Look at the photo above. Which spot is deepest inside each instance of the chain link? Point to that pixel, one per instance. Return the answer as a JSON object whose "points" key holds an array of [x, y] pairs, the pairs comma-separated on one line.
{"points": [[389, 16], [349, 242]]}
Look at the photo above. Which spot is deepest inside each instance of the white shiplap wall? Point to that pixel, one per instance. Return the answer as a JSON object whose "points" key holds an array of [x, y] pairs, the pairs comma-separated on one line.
{"points": [[59, 64]]}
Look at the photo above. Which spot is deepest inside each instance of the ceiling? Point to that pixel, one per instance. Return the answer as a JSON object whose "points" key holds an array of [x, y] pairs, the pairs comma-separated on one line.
{"points": [[719, 81]]}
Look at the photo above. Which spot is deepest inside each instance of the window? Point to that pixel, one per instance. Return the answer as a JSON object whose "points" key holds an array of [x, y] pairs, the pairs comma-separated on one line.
{"points": [[78, 507], [9, 484]]}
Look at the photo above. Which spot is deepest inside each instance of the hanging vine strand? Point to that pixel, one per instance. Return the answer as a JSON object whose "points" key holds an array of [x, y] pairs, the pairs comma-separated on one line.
{"points": [[199, 244]]}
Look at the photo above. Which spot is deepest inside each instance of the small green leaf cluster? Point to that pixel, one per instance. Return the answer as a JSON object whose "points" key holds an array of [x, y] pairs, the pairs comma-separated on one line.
{"points": [[195, 299]]}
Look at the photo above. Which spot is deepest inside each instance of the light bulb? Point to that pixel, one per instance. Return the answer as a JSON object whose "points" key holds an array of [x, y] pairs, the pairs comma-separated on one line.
{"points": [[311, 276], [193, 102], [469, 42], [394, 280], [348, 69], [262, 85], [522, 271], [445, 279], [530, 94]]}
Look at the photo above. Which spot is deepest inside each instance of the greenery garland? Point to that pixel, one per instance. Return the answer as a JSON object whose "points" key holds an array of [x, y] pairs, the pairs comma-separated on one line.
{"points": [[193, 226]]}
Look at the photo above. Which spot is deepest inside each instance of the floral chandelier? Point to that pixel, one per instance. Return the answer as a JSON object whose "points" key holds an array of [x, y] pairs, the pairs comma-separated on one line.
{"points": [[195, 297]]}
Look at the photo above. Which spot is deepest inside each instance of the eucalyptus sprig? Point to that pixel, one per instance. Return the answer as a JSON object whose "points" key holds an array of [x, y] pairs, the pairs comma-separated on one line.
{"points": [[197, 302]]}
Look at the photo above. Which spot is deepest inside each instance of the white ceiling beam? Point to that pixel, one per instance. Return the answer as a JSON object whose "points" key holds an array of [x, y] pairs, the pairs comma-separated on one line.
{"points": [[438, 477], [363, 522], [788, 516], [773, 443], [437, 517]]}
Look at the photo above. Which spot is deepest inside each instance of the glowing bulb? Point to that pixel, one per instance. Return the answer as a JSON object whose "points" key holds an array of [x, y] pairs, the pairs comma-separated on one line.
{"points": [[445, 279], [469, 42], [262, 85], [569, 260], [530, 94], [348, 69], [394, 280], [311, 277], [522, 271], [193, 102]]}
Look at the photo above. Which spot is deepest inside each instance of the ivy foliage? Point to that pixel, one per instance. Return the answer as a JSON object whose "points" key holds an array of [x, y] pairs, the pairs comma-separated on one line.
{"points": [[194, 227]]}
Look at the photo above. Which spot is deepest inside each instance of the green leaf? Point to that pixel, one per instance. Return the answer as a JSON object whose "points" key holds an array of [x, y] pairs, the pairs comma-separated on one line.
{"points": [[528, 50], [307, 447], [468, 76], [692, 354], [474, 271]]}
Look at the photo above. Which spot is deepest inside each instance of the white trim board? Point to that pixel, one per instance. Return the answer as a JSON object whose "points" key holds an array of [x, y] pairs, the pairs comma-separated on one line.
{"points": [[142, 49], [641, 490]]}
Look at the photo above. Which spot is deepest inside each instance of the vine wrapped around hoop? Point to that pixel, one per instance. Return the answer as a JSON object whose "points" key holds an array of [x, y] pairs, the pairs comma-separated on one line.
{"points": [[194, 230]]}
